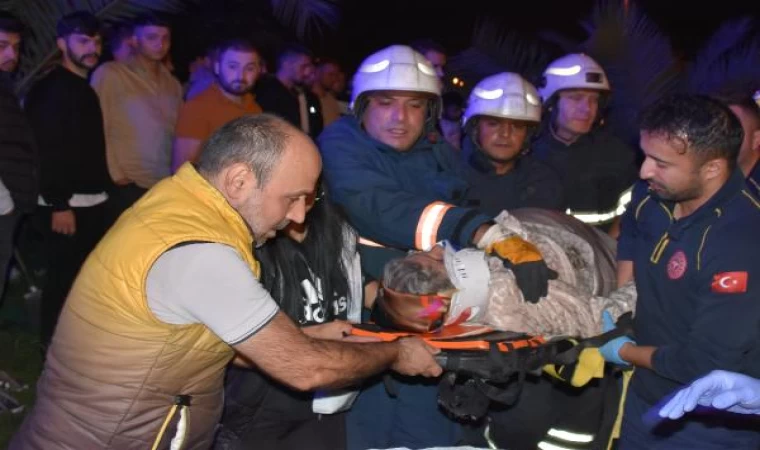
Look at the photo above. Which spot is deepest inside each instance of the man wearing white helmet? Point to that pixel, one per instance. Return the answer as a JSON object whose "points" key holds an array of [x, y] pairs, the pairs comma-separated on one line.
{"points": [[502, 114], [402, 189], [596, 168]]}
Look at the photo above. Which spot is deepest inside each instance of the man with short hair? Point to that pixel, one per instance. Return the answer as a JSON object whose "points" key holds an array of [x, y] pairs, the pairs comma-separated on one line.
{"points": [[689, 240], [433, 52], [65, 114], [140, 100], [236, 68], [122, 41], [402, 190], [596, 168], [742, 104], [18, 155], [326, 78], [286, 92], [150, 326]]}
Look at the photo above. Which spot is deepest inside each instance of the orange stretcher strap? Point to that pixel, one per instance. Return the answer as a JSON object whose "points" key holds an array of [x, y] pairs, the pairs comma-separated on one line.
{"points": [[457, 337]]}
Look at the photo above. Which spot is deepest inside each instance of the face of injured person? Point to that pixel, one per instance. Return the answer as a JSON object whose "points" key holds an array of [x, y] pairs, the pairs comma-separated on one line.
{"points": [[418, 273]]}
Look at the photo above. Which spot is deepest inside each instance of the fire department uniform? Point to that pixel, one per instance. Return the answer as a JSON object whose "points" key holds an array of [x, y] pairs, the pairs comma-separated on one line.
{"points": [[698, 282]]}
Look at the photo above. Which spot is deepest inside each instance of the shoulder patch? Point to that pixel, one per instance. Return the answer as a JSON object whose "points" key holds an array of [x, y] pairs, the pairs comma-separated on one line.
{"points": [[730, 283]]}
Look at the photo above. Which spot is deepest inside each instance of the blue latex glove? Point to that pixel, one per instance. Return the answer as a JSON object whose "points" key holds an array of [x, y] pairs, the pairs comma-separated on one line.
{"points": [[611, 350], [719, 389]]}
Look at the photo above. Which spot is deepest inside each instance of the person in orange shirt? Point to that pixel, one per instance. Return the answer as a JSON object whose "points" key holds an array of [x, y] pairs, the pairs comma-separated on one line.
{"points": [[237, 67]]}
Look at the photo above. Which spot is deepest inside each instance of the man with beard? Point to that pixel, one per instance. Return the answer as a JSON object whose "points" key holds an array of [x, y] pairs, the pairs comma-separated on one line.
{"points": [[237, 67], [65, 115], [286, 93], [18, 157], [689, 240], [140, 99]]}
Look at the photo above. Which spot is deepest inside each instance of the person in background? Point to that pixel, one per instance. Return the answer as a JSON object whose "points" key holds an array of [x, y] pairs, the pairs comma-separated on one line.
{"points": [[236, 68], [741, 103], [18, 152], [326, 79], [66, 118], [122, 41], [140, 100], [286, 93], [596, 168]]}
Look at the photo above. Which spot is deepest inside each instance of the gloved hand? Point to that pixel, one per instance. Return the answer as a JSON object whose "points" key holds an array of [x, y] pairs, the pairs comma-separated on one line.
{"points": [[719, 389], [611, 350], [588, 365], [526, 263]]}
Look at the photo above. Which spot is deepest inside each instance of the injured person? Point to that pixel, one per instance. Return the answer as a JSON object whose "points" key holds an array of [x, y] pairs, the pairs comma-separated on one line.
{"points": [[425, 290]]}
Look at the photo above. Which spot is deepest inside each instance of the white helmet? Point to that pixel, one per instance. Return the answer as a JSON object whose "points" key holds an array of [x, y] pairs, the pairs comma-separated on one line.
{"points": [[573, 71], [395, 68], [506, 95]]}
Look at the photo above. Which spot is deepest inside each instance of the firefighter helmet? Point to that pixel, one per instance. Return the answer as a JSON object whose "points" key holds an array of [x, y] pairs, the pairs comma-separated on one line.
{"points": [[573, 71]]}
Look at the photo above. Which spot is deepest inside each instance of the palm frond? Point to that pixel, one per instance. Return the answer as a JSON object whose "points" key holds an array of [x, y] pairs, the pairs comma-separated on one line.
{"points": [[308, 18], [507, 50], [637, 57], [731, 56], [41, 17]]}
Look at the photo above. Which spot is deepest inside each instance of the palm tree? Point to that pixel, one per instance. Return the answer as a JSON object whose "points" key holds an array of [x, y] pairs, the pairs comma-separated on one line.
{"points": [[496, 48], [637, 57], [730, 58]]}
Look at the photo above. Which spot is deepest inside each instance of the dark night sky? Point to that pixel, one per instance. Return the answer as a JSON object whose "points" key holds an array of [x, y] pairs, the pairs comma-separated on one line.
{"points": [[367, 26], [451, 22]]}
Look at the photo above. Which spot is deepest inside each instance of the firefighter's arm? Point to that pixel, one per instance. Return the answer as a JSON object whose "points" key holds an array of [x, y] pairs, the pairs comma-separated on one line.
{"points": [[382, 210]]}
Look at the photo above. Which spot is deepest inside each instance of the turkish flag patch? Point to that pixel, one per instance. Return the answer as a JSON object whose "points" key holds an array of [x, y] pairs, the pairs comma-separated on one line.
{"points": [[730, 283]]}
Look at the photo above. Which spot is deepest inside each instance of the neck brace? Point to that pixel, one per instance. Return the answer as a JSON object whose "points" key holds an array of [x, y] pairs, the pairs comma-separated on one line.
{"points": [[468, 272]]}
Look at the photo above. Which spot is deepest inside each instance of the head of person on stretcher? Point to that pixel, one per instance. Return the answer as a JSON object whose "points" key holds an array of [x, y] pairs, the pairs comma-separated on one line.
{"points": [[426, 290]]}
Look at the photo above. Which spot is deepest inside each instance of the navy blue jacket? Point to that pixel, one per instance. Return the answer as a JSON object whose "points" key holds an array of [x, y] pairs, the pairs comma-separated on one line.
{"points": [[595, 169], [698, 281], [397, 199], [530, 184]]}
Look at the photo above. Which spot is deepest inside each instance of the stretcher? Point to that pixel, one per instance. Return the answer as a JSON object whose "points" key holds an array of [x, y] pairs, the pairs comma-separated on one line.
{"points": [[483, 365]]}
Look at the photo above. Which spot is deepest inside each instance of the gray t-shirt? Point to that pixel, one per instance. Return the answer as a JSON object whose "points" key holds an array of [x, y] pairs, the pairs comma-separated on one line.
{"points": [[209, 284]]}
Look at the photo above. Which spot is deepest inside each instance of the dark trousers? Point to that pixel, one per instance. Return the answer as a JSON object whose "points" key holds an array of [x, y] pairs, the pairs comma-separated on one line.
{"points": [[412, 419], [123, 197], [8, 223], [65, 256], [262, 414]]}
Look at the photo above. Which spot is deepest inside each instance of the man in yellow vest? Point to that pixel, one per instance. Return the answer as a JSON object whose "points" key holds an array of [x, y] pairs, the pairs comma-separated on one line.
{"points": [[170, 296]]}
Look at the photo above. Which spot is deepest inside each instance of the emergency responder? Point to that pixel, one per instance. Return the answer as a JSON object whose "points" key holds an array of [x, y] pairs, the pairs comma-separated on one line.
{"points": [[596, 168], [401, 189], [690, 237], [502, 114]]}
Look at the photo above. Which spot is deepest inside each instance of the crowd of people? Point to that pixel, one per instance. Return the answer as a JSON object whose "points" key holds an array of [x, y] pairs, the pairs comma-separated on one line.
{"points": [[211, 248]]}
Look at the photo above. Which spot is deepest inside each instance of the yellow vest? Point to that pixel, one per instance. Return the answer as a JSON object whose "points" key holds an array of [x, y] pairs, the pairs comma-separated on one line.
{"points": [[113, 369]]}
